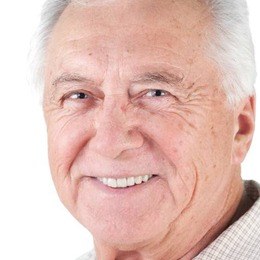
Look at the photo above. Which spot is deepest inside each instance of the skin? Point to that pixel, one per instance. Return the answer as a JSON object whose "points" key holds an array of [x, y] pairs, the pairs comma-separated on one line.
{"points": [[187, 135]]}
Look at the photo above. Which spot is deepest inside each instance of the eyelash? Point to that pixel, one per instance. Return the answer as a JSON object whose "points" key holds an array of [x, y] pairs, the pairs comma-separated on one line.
{"points": [[82, 95]]}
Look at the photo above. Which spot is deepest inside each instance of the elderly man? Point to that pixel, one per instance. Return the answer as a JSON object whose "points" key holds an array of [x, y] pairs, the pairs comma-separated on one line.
{"points": [[150, 107]]}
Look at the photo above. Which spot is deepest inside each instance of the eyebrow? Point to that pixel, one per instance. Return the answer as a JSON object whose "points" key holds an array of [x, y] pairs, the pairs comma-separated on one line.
{"points": [[68, 77], [161, 77], [148, 77]]}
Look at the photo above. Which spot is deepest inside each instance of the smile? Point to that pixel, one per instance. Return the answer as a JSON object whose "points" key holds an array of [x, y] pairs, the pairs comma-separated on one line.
{"points": [[125, 182]]}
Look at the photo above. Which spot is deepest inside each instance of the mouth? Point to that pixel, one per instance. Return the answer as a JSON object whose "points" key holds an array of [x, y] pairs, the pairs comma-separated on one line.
{"points": [[125, 182]]}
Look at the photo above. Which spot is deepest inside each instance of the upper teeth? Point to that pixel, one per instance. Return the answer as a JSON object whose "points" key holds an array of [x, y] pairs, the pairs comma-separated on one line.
{"points": [[125, 182]]}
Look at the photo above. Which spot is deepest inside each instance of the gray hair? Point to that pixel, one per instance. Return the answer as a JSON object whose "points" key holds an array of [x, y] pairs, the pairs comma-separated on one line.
{"points": [[229, 44]]}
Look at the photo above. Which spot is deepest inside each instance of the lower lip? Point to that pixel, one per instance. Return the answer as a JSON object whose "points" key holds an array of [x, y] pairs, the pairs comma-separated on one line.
{"points": [[123, 191]]}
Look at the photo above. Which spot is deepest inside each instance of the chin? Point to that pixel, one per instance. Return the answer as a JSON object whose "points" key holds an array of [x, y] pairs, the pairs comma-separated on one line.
{"points": [[123, 232], [124, 238], [125, 217]]}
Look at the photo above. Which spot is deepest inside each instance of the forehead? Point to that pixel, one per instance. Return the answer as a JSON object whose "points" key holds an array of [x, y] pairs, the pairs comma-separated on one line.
{"points": [[132, 22], [162, 33]]}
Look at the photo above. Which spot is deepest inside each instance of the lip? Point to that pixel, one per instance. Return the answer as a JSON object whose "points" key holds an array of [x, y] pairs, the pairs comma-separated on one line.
{"points": [[106, 190]]}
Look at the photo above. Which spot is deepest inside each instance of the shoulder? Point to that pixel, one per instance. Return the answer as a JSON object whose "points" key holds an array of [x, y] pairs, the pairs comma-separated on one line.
{"points": [[241, 240]]}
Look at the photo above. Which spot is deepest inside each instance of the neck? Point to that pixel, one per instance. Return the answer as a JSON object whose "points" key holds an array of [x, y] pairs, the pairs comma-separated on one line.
{"points": [[183, 240]]}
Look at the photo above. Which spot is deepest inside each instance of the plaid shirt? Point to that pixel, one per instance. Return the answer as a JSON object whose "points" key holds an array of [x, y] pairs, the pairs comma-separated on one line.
{"points": [[240, 241]]}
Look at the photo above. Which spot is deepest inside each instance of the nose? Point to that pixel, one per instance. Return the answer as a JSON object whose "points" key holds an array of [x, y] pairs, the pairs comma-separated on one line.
{"points": [[114, 133]]}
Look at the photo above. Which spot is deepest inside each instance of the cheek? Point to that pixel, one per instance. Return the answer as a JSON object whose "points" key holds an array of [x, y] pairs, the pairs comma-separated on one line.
{"points": [[66, 137], [172, 136], [195, 150], [174, 143], [212, 155]]}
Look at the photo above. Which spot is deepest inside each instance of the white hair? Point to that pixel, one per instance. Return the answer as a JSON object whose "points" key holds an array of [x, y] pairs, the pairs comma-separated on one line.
{"points": [[229, 43]]}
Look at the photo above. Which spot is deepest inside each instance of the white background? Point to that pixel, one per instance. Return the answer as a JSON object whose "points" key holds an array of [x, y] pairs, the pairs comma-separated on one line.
{"points": [[33, 222]]}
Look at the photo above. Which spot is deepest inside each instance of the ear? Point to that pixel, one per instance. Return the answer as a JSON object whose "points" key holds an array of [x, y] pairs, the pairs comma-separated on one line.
{"points": [[244, 129]]}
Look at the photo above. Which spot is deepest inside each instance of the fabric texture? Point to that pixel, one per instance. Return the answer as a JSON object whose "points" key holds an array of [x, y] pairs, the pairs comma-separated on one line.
{"points": [[240, 241], [89, 256]]}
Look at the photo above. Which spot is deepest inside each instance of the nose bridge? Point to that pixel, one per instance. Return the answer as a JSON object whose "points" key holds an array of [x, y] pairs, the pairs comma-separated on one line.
{"points": [[115, 131], [111, 118], [113, 112]]}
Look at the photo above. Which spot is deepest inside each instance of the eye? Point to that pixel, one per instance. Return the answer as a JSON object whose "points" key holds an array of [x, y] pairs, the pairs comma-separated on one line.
{"points": [[78, 95], [156, 93]]}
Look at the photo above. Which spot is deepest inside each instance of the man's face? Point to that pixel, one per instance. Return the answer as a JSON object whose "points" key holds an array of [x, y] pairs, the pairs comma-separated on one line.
{"points": [[130, 92]]}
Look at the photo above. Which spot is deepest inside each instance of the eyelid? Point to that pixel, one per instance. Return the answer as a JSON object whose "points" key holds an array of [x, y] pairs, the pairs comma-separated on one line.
{"points": [[138, 88], [68, 95]]}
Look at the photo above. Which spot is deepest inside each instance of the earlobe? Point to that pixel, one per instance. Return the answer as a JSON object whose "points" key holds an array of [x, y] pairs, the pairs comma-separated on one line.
{"points": [[244, 129]]}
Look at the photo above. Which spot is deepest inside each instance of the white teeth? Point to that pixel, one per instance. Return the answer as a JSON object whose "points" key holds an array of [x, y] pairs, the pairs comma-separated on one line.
{"points": [[104, 180], [145, 178], [139, 179], [125, 182], [130, 181], [121, 183], [111, 183]]}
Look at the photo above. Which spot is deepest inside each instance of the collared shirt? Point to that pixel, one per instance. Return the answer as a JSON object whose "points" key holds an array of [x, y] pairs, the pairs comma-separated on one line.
{"points": [[240, 241]]}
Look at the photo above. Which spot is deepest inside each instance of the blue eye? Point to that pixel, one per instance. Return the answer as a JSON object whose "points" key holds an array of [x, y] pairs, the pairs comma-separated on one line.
{"points": [[78, 95], [156, 93]]}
